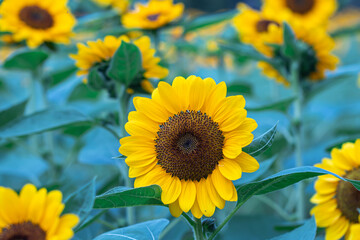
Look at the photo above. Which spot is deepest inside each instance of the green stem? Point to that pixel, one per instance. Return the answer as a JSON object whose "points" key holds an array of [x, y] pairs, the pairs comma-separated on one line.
{"points": [[198, 230], [297, 126], [188, 219]]}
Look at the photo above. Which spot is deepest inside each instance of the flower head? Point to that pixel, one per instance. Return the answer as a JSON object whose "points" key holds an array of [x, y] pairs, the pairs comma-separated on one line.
{"points": [[37, 21], [155, 14], [188, 138], [312, 13], [97, 52], [34, 215], [338, 202], [120, 5]]}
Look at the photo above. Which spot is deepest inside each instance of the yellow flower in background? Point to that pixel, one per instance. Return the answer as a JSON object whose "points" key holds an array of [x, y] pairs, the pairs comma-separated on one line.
{"points": [[316, 60], [37, 21], [34, 215], [312, 13], [102, 50], [188, 139], [155, 14], [257, 28], [338, 201], [120, 5]]}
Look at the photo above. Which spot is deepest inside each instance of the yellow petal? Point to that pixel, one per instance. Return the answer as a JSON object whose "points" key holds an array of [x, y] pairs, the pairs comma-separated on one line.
{"points": [[233, 120], [151, 109], [325, 219], [320, 198], [234, 143], [230, 169], [207, 207], [247, 163], [197, 94], [325, 187], [187, 196], [170, 97], [139, 171], [337, 230], [354, 232], [340, 160], [222, 185], [37, 206], [175, 209], [171, 190], [195, 210], [215, 99], [213, 194], [9, 206]]}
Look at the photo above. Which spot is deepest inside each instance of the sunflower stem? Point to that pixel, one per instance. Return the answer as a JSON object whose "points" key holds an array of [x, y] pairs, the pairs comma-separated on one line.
{"points": [[297, 126], [198, 230]]}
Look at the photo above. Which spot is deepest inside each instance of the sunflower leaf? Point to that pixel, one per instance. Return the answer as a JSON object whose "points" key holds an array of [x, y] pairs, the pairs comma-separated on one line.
{"points": [[25, 60], [261, 143], [281, 106], [145, 230], [42, 121], [12, 112], [304, 232], [128, 197], [289, 49], [81, 201], [126, 63], [282, 180]]}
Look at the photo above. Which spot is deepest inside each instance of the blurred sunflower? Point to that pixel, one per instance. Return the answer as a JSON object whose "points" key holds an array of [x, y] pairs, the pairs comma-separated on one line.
{"points": [[188, 139], [120, 5], [316, 55], [155, 14], [338, 201], [257, 28], [37, 21], [312, 13], [100, 51], [34, 215]]}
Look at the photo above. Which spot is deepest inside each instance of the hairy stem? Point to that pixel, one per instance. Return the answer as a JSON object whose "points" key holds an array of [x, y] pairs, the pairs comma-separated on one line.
{"points": [[198, 230]]}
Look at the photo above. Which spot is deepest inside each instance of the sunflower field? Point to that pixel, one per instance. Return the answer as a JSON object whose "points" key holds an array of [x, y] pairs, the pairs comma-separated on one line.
{"points": [[179, 120]]}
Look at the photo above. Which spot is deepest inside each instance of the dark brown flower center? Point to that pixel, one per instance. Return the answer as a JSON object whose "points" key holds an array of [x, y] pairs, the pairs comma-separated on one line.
{"points": [[23, 231], [153, 17], [348, 197], [300, 6], [36, 17], [189, 145], [263, 25]]}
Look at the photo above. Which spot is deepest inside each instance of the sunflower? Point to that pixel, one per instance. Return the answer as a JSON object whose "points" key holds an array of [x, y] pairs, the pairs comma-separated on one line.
{"points": [[257, 28], [338, 202], [37, 21], [120, 5], [312, 13], [188, 139], [100, 51], [34, 215], [155, 14]]}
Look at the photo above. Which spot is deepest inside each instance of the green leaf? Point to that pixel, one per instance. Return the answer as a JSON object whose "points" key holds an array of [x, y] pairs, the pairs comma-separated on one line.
{"points": [[126, 63], [281, 106], [126, 197], [261, 143], [25, 60], [242, 88], [42, 121], [246, 51], [282, 180], [12, 112], [289, 48], [96, 79], [89, 220], [341, 74], [207, 20], [141, 231], [58, 76], [346, 31], [81, 201], [305, 232]]}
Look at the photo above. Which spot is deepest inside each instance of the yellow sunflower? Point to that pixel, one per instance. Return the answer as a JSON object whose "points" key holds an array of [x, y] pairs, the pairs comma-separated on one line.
{"points": [[338, 202], [120, 5], [37, 21], [257, 28], [188, 139], [34, 215], [155, 14], [312, 13], [102, 50]]}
